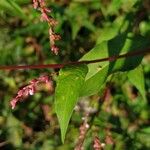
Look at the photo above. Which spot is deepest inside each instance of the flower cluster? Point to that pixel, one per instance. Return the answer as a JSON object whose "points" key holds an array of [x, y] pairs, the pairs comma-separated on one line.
{"points": [[41, 5], [29, 89]]}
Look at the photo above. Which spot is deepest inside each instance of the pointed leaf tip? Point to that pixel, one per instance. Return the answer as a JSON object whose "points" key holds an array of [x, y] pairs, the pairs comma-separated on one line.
{"points": [[69, 83]]}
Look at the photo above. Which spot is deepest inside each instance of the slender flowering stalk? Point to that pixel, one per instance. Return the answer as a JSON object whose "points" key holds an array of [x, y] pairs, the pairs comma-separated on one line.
{"points": [[53, 37], [29, 89]]}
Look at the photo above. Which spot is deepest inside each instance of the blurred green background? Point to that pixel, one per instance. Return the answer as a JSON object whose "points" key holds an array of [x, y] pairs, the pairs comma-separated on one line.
{"points": [[123, 119]]}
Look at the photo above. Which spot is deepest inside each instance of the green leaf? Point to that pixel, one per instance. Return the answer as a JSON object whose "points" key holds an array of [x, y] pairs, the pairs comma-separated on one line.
{"points": [[77, 15], [69, 83], [136, 77], [98, 72], [12, 8], [145, 28], [14, 131], [117, 26], [17, 9], [115, 6], [144, 134]]}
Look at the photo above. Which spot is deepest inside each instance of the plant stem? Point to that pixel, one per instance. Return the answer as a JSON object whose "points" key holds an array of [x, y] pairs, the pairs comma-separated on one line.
{"points": [[58, 66]]}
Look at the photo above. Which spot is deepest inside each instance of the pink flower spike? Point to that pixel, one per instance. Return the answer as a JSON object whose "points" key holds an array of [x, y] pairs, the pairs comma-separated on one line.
{"points": [[29, 89], [45, 16]]}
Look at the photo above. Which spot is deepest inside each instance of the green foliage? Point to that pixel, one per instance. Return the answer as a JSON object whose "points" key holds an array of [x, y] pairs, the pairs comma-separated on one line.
{"points": [[69, 84], [12, 8], [136, 77], [90, 29], [99, 72]]}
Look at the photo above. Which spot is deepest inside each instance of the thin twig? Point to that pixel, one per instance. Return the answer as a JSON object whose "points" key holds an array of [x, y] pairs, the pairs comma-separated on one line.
{"points": [[58, 66]]}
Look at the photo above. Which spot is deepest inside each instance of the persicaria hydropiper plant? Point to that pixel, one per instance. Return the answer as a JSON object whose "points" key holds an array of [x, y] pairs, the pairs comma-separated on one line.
{"points": [[87, 76]]}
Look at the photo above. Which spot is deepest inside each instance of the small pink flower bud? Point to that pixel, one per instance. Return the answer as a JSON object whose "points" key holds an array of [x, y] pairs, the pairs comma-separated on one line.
{"points": [[31, 91], [42, 3], [13, 103], [44, 17], [33, 81], [35, 4], [55, 49], [44, 78]]}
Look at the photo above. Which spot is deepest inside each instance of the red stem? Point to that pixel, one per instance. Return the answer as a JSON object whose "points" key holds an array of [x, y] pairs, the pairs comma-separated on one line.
{"points": [[54, 66]]}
